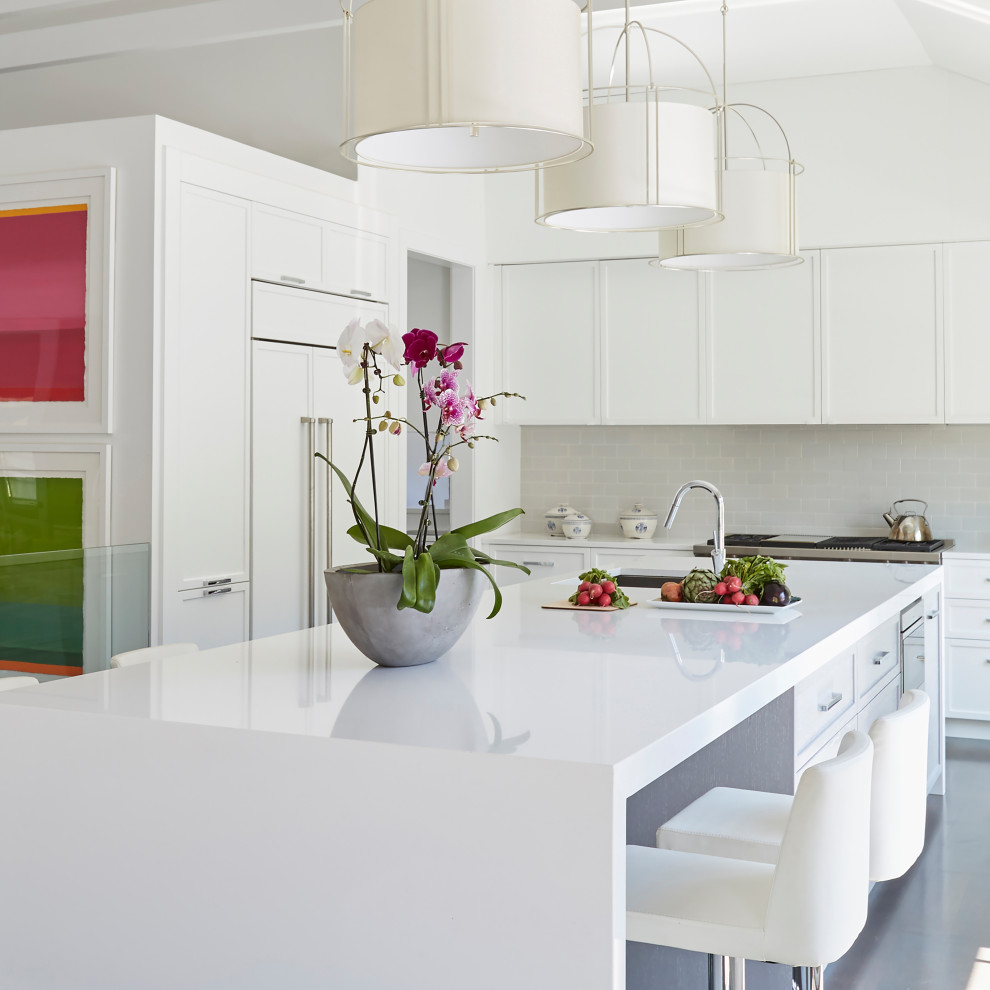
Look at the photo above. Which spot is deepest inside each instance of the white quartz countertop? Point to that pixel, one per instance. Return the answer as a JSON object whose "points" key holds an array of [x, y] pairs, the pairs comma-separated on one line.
{"points": [[637, 690], [970, 546]]}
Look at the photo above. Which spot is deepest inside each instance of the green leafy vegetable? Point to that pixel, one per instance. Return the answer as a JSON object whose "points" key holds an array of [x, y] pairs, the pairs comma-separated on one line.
{"points": [[755, 573]]}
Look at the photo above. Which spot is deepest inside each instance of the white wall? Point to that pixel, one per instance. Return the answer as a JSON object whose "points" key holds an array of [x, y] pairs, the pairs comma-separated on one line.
{"points": [[128, 145]]}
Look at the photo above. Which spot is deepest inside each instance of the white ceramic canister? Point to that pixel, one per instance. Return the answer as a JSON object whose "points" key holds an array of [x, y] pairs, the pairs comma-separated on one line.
{"points": [[577, 526], [638, 523], [555, 518]]}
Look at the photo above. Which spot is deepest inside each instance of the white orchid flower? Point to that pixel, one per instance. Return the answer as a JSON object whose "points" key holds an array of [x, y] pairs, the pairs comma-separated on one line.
{"points": [[350, 348], [387, 342]]}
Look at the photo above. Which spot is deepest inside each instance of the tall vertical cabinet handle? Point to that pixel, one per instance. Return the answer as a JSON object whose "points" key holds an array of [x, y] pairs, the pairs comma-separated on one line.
{"points": [[328, 444], [309, 422]]}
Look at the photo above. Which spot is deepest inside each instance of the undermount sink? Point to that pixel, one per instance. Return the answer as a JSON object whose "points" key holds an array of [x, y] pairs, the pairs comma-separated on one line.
{"points": [[646, 579]]}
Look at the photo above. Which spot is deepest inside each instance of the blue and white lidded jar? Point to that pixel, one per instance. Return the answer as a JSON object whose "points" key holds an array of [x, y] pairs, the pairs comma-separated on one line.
{"points": [[555, 518], [577, 526], [638, 523]]}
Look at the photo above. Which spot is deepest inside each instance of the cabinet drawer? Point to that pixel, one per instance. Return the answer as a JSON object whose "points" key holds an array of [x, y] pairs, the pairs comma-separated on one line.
{"points": [[545, 562], [967, 681], [822, 700], [967, 620], [356, 263], [883, 704], [876, 656], [967, 579]]}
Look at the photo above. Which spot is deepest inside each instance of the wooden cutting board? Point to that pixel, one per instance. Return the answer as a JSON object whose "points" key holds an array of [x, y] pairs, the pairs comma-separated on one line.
{"points": [[566, 605]]}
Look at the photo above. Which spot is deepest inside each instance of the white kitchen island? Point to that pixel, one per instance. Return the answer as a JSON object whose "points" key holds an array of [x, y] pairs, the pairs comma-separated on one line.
{"points": [[282, 813]]}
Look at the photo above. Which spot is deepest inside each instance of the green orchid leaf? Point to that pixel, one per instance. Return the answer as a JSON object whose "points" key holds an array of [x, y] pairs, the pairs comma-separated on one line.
{"points": [[408, 598], [487, 525], [426, 583], [395, 539], [365, 521], [391, 560], [472, 564], [448, 544]]}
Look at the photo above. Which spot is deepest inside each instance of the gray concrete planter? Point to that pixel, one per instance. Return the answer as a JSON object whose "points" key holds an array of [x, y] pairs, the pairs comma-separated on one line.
{"points": [[364, 603]]}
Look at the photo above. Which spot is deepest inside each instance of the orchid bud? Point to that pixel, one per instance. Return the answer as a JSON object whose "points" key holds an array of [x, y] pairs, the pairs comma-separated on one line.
{"points": [[482, 403], [388, 414], [470, 446], [453, 463], [398, 380], [494, 403], [395, 429], [458, 366], [376, 398], [382, 426]]}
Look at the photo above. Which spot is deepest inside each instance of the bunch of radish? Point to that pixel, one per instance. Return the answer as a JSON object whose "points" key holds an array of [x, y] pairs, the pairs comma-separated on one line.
{"points": [[730, 592], [595, 594]]}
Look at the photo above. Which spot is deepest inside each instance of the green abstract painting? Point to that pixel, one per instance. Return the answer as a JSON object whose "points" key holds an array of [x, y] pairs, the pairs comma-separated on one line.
{"points": [[41, 592]]}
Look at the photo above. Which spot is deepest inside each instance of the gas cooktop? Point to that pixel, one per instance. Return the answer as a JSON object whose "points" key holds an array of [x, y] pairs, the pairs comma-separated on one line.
{"points": [[789, 547]]}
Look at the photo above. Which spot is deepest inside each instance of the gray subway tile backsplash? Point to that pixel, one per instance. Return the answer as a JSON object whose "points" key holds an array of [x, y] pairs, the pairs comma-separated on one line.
{"points": [[832, 479]]}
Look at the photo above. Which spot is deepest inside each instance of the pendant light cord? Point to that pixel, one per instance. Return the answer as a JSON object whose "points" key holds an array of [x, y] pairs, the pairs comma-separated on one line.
{"points": [[725, 88]]}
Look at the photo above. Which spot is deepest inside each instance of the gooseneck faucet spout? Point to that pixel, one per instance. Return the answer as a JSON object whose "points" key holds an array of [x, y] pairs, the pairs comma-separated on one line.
{"points": [[718, 550]]}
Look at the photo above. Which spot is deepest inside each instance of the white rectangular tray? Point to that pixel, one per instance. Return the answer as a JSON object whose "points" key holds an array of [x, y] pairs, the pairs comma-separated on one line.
{"points": [[724, 609]]}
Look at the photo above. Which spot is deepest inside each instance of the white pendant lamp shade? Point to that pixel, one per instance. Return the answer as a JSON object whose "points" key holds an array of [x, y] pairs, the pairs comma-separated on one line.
{"points": [[464, 85], [759, 229], [653, 168]]}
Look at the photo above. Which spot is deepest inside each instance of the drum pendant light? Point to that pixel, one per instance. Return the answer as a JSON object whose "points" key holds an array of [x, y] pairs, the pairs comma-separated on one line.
{"points": [[654, 165], [463, 85], [758, 198]]}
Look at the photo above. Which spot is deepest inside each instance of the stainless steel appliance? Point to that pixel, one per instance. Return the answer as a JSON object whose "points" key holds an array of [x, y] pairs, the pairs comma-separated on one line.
{"points": [[797, 547], [913, 646], [908, 526]]}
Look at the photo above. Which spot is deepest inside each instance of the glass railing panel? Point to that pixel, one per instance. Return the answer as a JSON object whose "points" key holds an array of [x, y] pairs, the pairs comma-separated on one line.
{"points": [[66, 612]]}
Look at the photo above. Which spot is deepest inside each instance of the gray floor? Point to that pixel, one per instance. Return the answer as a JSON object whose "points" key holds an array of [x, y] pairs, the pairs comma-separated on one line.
{"points": [[927, 929]]}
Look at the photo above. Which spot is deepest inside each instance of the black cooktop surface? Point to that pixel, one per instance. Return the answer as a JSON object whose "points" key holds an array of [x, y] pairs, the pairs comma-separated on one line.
{"points": [[879, 544]]}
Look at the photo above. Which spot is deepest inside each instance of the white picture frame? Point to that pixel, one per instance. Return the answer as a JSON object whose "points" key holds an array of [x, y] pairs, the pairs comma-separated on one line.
{"points": [[95, 188]]}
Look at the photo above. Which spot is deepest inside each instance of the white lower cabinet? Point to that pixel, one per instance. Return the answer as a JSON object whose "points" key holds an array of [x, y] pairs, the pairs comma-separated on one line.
{"points": [[210, 617], [967, 680], [967, 634], [822, 700], [544, 562]]}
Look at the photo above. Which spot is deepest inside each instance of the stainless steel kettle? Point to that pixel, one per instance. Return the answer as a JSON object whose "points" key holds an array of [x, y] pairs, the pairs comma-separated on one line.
{"points": [[911, 527]]}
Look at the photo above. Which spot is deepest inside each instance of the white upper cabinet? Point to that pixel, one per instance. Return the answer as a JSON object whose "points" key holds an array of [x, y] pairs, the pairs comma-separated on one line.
{"points": [[967, 332], [764, 337], [882, 335], [307, 251], [652, 345], [550, 343]]}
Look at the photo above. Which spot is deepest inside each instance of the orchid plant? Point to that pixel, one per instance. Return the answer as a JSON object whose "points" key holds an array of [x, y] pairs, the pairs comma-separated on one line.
{"points": [[371, 354]]}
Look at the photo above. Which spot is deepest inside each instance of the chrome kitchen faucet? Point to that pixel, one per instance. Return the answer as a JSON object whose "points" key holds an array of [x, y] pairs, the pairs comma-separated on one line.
{"points": [[718, 551]]}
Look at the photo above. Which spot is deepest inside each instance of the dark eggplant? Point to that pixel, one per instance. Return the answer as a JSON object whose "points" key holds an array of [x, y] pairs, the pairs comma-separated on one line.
{"points": [[775, 594]]}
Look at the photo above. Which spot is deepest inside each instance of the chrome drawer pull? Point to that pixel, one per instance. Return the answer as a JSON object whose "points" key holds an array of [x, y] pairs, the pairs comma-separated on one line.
{"points": [[835, 700], [216, 581], [934, 615], [553, 563], [879, 658], [367, 295], [302, 281], [920, 658], [217, 591]]}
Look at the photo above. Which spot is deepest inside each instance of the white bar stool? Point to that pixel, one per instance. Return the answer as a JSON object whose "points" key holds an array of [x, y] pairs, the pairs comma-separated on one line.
{"points": [[750, 825], [150, 653], [21, 680], [804, 911]]}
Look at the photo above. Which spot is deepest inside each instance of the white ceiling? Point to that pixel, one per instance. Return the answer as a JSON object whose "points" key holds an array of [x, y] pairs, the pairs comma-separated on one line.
{"points": [[268, 73]]}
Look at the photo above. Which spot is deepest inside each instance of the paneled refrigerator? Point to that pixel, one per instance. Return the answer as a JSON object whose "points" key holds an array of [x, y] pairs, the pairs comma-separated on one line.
{"points": [[300, 404]]}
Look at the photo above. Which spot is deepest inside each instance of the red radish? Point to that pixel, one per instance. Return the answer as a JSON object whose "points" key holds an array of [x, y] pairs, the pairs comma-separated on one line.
{"points": [[751, 600], [608, 587], [604, 600], [727, 598], [595, 590], [584, 586], [738, 598], [733, 583], [721, 589], [584, 598]]}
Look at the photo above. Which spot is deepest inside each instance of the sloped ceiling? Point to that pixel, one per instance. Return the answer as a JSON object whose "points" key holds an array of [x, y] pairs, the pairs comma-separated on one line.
{"points": [[268, 73]]}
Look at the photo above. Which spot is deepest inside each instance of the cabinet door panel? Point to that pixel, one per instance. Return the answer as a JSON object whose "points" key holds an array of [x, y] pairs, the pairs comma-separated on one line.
{"points": [[211, 617], [206, 452], [967, 343], [653, 348], [881, 335], [357, 264], [550, 343], [764, 345], [286, 247]]}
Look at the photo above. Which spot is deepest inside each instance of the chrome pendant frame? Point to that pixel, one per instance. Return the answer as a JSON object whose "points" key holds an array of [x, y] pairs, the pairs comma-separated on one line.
{"points": [[436, 112]]}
